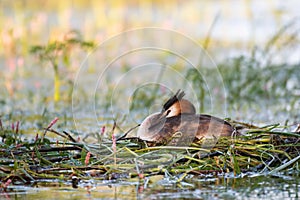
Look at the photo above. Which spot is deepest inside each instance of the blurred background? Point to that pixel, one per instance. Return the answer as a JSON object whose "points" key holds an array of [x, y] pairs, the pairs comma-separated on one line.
{"points": [[249, 50]]}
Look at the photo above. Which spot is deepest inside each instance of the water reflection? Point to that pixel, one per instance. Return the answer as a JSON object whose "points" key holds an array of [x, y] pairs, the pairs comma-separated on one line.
{"points": [[251, 186]]}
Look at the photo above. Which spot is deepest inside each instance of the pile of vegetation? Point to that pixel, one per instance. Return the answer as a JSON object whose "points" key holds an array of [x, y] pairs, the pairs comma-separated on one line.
{"points": [[259, 149]]}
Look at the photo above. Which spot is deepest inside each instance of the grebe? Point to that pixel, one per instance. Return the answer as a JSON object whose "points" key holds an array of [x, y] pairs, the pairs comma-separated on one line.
{"points": [[178, 123]]}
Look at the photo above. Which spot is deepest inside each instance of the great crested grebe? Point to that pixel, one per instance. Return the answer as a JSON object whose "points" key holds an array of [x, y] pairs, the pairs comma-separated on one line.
{"points": [[178, 120]]}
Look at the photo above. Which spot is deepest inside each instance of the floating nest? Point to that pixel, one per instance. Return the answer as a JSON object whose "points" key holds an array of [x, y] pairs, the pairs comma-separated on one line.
{"points": [[262, 150]]}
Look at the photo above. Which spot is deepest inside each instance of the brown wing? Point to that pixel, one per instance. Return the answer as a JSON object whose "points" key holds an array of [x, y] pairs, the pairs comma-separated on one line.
{"points": [[213, 126], [187, 128]]}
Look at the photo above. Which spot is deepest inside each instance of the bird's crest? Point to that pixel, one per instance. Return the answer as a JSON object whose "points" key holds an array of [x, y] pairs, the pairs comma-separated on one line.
{"points": [[177, 97]]}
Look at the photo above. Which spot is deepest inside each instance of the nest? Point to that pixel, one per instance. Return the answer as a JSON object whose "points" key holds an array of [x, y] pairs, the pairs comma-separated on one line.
{"points": [[261, 150]]}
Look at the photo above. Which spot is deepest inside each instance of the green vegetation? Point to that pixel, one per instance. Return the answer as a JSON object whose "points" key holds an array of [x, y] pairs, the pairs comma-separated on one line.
{"points": [[256, 80], [60, 52], [264, 150]]}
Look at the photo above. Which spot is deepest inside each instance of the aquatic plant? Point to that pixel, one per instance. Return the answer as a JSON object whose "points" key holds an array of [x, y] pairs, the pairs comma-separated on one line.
{"points": [[263, 150], [260, 78], [57, 52]]}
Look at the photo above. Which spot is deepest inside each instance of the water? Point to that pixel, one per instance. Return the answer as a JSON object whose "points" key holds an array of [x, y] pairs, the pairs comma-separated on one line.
{"points": [[250, 186]]}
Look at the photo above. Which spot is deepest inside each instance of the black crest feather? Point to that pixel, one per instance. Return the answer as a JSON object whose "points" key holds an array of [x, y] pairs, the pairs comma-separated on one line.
{"points": [[177, 97]]}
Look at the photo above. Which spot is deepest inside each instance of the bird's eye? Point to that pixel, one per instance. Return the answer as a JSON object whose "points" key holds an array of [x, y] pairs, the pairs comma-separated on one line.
{"points": [[168, 112]]}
